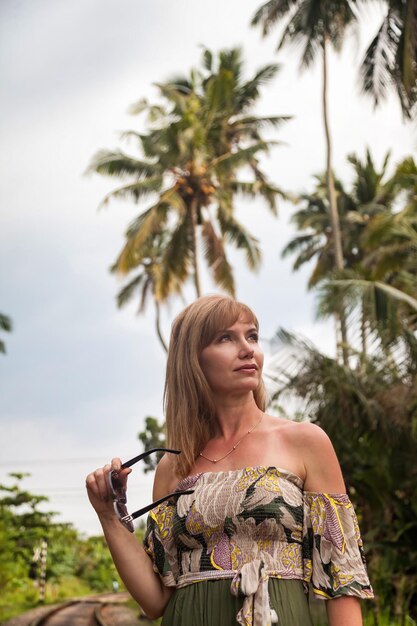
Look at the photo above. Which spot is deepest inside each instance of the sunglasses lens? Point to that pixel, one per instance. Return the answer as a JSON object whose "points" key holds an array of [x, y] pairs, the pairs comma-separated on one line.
{"points": [[123, 515], [121, 509], [116, 486]]}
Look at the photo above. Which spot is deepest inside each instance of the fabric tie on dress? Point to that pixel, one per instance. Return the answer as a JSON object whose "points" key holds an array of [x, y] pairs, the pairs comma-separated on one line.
{"points": [[252, 582]]}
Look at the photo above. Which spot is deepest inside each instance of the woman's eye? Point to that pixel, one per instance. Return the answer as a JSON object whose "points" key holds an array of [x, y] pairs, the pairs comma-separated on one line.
{"points": [[254, 336], [224, 337]]}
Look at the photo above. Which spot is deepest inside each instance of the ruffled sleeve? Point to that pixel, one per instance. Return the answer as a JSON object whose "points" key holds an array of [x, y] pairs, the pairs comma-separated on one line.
{"points": [[159, 545], [333, 558]]}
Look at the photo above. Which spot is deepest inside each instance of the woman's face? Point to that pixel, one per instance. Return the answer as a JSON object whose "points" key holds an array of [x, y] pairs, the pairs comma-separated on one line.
{"points": [[232, 363]]}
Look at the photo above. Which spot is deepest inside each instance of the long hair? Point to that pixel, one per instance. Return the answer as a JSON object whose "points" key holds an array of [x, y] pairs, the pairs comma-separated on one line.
{"points": [[190, 411]]}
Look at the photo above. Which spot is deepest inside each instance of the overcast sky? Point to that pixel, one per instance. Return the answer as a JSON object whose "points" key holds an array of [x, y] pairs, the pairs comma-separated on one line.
{"points": [[79, 375]]}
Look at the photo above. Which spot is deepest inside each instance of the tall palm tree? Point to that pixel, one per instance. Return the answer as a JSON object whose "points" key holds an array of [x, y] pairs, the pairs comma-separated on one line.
{"points": [[192, 155], [391, 58], [314, 25]]}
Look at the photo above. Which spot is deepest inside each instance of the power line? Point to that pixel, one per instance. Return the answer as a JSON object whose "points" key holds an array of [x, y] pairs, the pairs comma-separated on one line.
{"points": [[59, 490], [16, 463]]}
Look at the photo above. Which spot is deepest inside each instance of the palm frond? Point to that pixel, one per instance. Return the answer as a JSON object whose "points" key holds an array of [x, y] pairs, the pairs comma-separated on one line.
{"points": [[175, 263], [379, 61], [5, 323], [139, 106], [380, 300], [215, 254], [126, 294], [269, 13], [208, 59], [173, 94], [248, 122], [249, 91], [140, 235], [258, 188], [134, 191], [228, 161], [240, 237], [110, 163]]}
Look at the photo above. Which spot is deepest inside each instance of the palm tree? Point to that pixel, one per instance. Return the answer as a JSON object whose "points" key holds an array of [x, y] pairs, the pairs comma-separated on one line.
{"points": [[391, 58], [391, 237], [370, 195], [316, 240], [315, 25], [192, 155], [381, 281]]}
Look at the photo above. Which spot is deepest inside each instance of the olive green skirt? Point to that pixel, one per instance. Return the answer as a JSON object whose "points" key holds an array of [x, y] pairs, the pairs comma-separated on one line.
{"points": [[211, 603]]}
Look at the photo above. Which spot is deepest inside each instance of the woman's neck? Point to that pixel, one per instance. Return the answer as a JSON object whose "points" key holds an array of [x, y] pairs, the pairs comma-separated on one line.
{"points": [[235, 416]]}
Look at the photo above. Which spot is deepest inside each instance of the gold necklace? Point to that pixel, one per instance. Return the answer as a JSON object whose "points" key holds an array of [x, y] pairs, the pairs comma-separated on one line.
{"points": [[235, 446]]}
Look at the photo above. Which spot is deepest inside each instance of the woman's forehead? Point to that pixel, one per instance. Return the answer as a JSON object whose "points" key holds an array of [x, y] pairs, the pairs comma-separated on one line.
{"points": [[243, 320]]}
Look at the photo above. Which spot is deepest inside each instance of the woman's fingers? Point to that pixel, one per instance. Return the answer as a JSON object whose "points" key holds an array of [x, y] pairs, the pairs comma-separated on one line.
{"points": [[121, 474], [98, 484], [102, 482], [116, 464], [98, 487]]}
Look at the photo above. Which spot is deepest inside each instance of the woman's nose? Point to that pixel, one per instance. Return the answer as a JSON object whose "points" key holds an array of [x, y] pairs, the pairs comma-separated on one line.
{"points": [[246, 350]]}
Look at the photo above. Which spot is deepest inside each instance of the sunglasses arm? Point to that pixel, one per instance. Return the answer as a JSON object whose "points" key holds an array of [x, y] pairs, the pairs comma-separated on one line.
{"points": [[147, 453], [148, 508]]}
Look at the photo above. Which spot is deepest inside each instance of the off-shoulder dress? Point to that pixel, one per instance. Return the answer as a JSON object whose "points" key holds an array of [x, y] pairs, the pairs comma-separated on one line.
{"points": [[243, 548]]}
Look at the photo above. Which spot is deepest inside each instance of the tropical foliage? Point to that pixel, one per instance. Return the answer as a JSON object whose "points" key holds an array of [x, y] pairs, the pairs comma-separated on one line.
{"points": [[369, 405], [153, 436], [202, 139], [370, 413], [75, 566], [390, 61], [378, 223]]}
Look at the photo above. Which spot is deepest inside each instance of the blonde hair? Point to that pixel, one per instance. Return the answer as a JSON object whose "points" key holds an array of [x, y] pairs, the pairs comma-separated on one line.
{"points": [[190, 412]]}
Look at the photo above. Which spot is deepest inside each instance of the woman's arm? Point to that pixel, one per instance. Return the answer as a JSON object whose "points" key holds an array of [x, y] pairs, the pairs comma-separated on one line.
{"points": [[344, 611], [131, 561], [323, 475]]}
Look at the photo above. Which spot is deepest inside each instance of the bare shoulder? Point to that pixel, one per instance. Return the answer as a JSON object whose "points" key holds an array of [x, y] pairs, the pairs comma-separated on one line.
{"points": [[165, 480], [299, 434], [322, 469]]}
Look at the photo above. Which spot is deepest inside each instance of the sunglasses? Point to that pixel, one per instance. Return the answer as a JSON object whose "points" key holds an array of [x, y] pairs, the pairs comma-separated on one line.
{"points": [[118, 490]]}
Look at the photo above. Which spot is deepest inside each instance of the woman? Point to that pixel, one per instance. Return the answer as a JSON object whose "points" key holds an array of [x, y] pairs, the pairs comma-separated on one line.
{"points": [[266, 511]]}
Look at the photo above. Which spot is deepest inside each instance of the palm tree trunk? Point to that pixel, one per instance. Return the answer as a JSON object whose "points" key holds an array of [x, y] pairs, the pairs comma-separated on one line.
{"points": [[334, 215], [331, 193], [193, 209], [158, 327]]}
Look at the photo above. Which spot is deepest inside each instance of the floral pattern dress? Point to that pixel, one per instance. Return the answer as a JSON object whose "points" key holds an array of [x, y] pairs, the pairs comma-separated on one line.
{"points": [[244, 546]]}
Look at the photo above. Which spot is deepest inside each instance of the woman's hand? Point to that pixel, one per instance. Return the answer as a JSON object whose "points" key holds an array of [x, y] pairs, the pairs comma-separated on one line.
{"points": [[98, 487]]}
